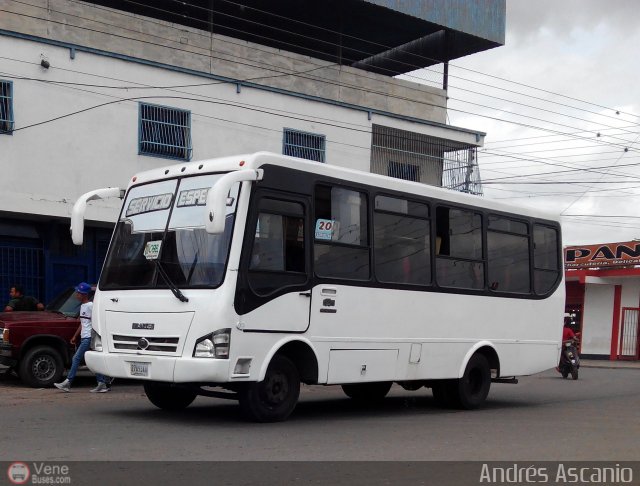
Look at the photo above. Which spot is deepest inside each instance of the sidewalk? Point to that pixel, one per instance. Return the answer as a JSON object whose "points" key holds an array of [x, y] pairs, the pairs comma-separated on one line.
{"points": [[604, 363]]}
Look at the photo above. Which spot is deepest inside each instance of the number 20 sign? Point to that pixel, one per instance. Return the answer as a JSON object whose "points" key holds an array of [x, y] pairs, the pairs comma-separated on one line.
{"points": [[325, 229]]}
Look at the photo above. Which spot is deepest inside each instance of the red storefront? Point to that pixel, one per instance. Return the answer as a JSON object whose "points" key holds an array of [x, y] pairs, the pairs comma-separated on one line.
{"points": [[603, 298]]}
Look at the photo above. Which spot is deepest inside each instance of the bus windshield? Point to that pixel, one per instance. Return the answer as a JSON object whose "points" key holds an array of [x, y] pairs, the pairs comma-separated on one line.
{"points": [[162, 225]]}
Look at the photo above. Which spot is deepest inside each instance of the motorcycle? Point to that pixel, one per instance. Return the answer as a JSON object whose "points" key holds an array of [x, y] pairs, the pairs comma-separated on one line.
{"points": [[569, 360]]}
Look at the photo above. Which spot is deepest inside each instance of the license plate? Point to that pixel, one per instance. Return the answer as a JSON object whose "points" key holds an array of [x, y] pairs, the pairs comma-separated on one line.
{"points": [[139, 369]]}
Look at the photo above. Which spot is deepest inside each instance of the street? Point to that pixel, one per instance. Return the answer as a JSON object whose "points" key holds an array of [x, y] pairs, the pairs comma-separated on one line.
{"points": [[543, 418]]}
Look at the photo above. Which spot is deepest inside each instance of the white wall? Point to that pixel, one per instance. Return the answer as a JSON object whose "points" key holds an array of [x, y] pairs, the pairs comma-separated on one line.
{"points": [[598, 315], [598, 310], [630, 292], [48, 166]]}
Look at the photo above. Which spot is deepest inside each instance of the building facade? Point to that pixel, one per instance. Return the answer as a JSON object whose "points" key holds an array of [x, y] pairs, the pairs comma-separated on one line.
{"points": [[603, 298], [93, 92]]}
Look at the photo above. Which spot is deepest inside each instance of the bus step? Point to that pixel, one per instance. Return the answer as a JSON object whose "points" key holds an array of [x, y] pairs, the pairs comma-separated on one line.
{"points": [[513, 380], [217, 394]]}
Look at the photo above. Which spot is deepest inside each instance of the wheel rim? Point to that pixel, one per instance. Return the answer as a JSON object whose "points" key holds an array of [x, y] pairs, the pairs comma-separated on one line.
{"points": [[275, 389], [43, 368]]}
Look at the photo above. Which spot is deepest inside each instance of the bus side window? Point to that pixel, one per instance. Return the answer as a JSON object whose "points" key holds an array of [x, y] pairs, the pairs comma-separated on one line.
{"points": [[508, 255], [341, 241], [460, 261], [401, 241], [546, 261]]}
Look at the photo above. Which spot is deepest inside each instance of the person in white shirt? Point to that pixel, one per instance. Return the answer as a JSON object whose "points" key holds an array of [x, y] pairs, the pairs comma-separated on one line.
{"points": [[84, 331]]}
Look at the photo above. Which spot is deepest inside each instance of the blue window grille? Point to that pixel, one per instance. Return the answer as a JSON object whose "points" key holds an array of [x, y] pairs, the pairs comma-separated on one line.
{"points": [[164, 132], [305, 145], [6, 107]]}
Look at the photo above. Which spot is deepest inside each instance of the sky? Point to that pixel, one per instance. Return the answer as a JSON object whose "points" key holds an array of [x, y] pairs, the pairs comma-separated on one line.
{"points": [[560, 104]]}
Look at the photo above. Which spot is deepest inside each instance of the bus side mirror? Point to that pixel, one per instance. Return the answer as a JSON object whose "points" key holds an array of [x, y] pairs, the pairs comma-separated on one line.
{"points": [[215, 210], [79, 208]]}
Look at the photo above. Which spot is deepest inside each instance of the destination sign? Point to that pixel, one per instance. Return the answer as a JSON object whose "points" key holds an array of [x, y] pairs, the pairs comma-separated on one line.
{"points": [[193, 197], [148, 204]]}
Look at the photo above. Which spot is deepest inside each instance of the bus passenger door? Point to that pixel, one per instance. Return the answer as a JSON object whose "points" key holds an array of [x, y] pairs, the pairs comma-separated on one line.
{"points": [[274, 291]]}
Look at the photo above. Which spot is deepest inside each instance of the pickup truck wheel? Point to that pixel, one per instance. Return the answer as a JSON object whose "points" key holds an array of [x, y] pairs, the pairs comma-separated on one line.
{"points": [[41, 367]]}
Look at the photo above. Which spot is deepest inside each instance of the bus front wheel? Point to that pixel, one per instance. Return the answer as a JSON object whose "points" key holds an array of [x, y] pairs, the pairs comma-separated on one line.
{"points": [[274, 398], [168, 397]]}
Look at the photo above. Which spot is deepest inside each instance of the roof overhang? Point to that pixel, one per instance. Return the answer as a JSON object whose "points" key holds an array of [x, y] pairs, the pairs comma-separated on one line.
{"points": [[389, 37]]}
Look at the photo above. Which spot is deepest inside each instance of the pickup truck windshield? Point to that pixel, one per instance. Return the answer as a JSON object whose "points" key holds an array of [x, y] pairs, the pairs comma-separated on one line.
{"points": [[165, 221]]}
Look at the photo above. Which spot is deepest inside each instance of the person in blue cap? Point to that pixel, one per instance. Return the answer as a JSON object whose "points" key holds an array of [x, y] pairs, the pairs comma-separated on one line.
{"points": [[84, 331]]}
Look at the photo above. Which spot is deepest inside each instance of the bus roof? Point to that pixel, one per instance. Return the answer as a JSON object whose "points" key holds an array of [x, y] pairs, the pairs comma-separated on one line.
{"points": [[259, 159]]}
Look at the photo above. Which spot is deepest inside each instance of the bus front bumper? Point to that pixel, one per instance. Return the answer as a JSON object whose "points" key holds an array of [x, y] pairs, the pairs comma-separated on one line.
{"points": [[159, 368]]}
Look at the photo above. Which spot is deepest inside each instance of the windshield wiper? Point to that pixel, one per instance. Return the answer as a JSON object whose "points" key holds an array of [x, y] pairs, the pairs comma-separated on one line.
{"points": [[174, 289]]}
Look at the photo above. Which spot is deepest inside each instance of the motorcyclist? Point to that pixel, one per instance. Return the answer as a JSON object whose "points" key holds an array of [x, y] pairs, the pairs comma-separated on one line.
{"points": [[567, 335]]}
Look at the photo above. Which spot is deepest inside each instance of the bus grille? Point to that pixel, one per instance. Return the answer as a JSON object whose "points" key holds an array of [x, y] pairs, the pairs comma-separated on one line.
{"points": [[156, 343]]}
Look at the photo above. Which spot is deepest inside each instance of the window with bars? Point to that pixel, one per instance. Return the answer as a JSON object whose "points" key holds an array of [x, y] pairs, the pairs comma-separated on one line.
{"points": [[164, 132], [6, 107], [408, 172], [423, 158], [305, 145]]}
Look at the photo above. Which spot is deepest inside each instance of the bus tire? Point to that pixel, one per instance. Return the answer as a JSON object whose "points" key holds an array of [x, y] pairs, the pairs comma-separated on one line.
{"points": [[473, 387], [168, 397], [367, 392], [41, 367], [274, 398]]}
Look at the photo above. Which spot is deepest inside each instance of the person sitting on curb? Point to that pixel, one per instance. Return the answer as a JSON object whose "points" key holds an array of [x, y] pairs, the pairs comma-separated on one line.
{"points": [[21, 302], [84, 330]]}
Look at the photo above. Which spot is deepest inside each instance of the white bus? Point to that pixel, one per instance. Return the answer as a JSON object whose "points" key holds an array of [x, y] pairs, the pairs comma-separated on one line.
{"points": [[245, 276]]}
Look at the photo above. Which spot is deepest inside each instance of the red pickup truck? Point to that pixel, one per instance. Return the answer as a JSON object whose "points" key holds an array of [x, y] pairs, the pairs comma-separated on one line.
{"points": [[37, 345]]}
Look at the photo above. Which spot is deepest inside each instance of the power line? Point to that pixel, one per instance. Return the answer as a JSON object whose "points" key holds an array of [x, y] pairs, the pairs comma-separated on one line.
{"points": [[585, 192], [561, 140], [600, 216], [555, 182], [581, 168]]}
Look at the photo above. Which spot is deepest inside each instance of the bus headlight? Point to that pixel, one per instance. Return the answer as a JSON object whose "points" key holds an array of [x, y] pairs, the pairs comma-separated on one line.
{"points": [[214, 345], [204, 347], [96, 341]]}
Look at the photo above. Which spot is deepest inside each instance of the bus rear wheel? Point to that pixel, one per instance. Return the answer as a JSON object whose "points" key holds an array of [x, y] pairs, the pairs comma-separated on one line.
{"points": [[468, 392], [367, 392], [474, 385], [274, 398], [168, 397]]}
